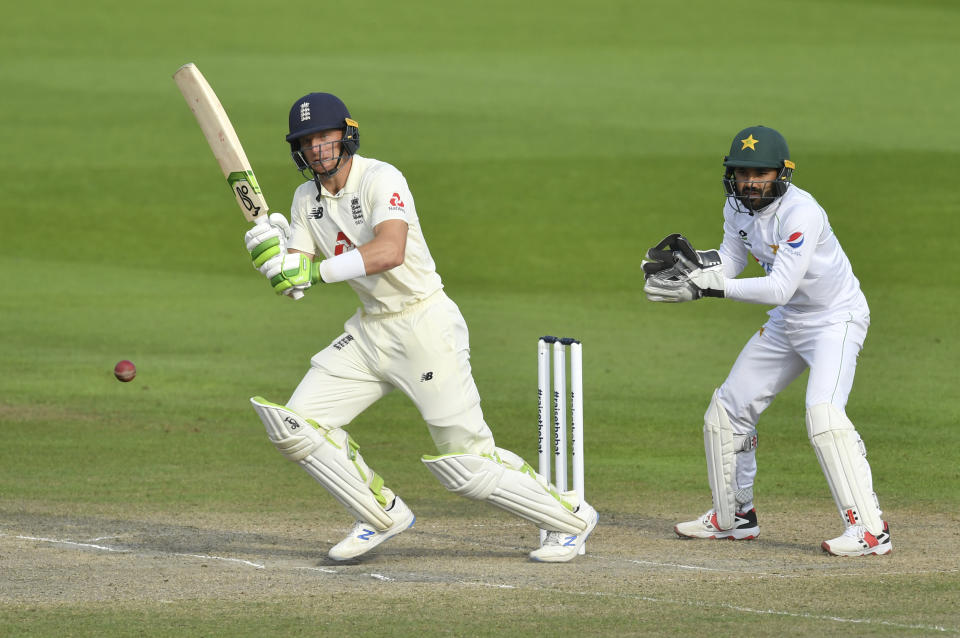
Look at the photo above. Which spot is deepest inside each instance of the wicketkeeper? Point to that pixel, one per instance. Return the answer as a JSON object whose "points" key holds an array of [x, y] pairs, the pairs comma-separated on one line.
{"points": [[819, 322], [358, 214]]}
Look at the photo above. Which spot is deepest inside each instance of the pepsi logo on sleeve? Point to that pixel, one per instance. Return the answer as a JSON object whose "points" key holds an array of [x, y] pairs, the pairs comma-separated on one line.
{"points": [[795, 240]]}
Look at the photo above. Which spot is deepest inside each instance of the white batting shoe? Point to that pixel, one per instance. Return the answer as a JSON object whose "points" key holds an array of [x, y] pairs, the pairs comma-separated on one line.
{"points": [[561, 547], [857, 541], [745, 527], [364, 537]]}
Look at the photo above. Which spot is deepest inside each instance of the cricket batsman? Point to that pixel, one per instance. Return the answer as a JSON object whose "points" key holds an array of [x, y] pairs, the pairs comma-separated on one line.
{"points": [[819, 321], [354, 221]]}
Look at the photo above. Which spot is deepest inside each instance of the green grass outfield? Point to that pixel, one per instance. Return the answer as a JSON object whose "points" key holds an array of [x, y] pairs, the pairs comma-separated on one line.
{"points": [[547, 145]]}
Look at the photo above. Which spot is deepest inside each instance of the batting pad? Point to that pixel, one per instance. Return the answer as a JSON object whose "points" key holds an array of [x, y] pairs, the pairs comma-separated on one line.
{"points": [[843, 458], [329, 456], [521, 492], [722, 446]]}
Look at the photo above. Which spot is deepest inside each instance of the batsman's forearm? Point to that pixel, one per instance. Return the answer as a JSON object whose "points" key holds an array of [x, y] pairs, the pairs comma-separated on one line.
{"points": [[348, 265]]}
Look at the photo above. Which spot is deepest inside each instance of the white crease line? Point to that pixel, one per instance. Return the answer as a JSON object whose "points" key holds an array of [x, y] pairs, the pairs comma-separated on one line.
{"points": [[127, 551], [865, 621], [772, 612], [494, 585], [700, 568], [63, 542], [695, 567], [683, 603], [678, 566], [318, 569], [232, 560], [789, 614], [813, 570]]}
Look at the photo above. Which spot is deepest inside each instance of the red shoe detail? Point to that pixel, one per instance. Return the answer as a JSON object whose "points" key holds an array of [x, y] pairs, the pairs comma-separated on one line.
{"points": [[713, 521]]}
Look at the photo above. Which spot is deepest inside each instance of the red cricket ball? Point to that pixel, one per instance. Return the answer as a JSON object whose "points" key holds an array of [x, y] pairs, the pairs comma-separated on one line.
{"points": [[125, 371]]}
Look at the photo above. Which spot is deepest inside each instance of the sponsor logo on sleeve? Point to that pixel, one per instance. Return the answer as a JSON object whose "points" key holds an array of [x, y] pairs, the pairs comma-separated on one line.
{"points": [[795, 240], [396, 203]]}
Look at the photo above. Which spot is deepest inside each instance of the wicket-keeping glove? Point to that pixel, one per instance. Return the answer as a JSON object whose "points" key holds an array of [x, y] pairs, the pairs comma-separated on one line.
{"points": [[267, 240], [688, 280], [660, 257], [666, 253], [676, 272]]}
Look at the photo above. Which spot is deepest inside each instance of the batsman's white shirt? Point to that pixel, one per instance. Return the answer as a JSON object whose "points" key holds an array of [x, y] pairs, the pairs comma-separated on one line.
{"points": [[408, 335], [375, 192]]}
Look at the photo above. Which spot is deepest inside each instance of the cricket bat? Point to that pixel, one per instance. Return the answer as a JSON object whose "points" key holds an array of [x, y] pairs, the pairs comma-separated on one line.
{"points": [[223, 141]]}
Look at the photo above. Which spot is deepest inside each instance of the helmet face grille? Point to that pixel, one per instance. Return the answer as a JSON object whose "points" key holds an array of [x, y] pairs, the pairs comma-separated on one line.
{"points": [[746, 204]]}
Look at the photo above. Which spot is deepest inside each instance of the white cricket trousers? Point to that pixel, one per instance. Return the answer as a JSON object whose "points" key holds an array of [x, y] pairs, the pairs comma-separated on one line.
{"points": [[778, 354], [424, 351]]}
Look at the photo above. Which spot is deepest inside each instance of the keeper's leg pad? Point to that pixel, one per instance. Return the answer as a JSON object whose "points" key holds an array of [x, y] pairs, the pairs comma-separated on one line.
{"points": [[722, 446], [332, 458], [843, 458], [518, 490]]}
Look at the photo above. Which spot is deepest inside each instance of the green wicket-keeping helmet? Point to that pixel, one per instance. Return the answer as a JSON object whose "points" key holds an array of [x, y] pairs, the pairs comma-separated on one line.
{"points": [[757, 147]]}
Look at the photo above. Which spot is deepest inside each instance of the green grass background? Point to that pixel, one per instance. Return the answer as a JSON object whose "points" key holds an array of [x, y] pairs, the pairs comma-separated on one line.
{"points": [[547, 145]]}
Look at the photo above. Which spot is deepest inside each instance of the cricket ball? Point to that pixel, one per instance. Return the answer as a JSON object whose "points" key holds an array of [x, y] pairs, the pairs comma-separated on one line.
{"points": [[125, 371]]}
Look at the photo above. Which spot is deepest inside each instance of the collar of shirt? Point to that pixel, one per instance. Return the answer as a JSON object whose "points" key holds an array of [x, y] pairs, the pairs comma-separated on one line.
{"points": [[353, 179]]}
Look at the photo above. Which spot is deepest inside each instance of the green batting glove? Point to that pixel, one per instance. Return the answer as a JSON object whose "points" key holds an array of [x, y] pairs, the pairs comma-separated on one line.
{"points": [[296, 271], [264, 251], [267, 240]]}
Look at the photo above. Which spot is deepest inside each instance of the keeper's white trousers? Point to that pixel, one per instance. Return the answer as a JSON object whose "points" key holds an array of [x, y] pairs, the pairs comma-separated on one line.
{"points": [[778, 354]]}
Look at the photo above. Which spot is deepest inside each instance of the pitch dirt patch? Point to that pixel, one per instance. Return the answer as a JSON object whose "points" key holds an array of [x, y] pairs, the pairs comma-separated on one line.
{"points": [[51, 559]]}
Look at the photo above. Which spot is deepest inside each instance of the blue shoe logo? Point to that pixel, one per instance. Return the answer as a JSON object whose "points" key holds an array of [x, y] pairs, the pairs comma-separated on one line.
{"points": [[366, 535], [571, 541]]}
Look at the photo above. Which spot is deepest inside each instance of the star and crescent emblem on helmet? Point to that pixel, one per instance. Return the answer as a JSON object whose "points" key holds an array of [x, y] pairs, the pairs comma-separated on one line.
{"points": [[749, 142]]}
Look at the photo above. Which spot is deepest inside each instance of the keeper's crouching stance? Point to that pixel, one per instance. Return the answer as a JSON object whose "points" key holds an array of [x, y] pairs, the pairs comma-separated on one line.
{"points": [[819, 321], [359, 214]]}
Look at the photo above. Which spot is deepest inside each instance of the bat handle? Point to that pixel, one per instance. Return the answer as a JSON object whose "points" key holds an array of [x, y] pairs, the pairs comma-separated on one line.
{"points": [[296, 294]]}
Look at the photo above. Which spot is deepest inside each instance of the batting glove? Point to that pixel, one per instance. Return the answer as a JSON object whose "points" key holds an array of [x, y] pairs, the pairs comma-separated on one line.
{"points": [[267, 240], [292, 272]]}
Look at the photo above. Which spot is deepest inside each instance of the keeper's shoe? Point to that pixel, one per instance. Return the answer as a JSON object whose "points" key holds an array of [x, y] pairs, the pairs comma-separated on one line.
{"points": [[745, 527], [857, 541], [364, 537], [561, 547]]}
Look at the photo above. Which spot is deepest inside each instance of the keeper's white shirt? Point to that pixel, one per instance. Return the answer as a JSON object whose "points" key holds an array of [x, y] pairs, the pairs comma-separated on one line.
{"points": [[808, 275], [375, 192]]}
